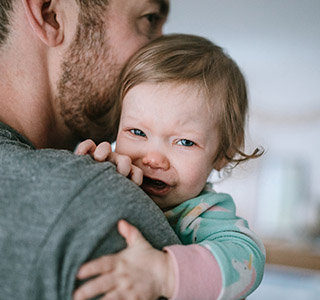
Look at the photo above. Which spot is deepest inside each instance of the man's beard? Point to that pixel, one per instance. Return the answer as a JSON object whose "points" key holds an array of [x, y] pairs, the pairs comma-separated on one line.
{"points": [[87, 88]]}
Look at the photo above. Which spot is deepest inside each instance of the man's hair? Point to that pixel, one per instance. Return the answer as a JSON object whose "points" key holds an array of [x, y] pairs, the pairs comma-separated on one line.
{"points": [[194, 60], [5, 10], [87, 5], [87, 10]]}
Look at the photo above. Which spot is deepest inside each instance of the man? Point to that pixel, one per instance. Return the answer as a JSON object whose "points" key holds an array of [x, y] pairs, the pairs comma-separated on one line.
{"points": [[59, 62]]}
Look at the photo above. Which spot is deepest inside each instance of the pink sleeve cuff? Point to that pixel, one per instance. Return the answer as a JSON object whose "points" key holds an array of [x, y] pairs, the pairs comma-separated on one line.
{"points": [[197, 273]]}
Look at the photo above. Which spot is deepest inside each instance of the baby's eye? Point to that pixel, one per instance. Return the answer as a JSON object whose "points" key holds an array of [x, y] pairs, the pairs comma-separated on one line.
{"points": [[137, 132], [186, 143]]}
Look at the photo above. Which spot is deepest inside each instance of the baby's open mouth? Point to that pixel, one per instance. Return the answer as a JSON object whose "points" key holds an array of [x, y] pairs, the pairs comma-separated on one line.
{"points": [[154, 186], [153, 182]]}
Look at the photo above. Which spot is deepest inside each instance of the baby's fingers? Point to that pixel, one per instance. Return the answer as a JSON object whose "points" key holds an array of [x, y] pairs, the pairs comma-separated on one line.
{"points": [[136, 175], [86, 147], [102, 152], [117, 295], [95, 267], [98, 286], [123, 163], [126, 168]]}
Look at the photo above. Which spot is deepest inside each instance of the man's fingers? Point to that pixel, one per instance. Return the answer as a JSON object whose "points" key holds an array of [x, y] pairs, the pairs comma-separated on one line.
{"points": [[98, 286], [85, 147], [95, 267], [102, 151]]}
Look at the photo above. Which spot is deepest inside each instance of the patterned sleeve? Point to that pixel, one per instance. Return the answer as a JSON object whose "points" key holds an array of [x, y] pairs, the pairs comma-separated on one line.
{"points": [[210, 220]]}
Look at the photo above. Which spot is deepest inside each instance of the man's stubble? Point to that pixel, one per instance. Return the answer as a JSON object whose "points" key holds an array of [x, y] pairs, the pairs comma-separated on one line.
{"points": [[87, 88]]}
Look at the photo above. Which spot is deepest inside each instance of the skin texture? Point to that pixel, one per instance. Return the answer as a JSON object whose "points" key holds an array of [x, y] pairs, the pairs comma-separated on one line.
{"points": [[85, 92], [138, 272], [161, 143], [74, 70], [103, 152], [159, 132]]}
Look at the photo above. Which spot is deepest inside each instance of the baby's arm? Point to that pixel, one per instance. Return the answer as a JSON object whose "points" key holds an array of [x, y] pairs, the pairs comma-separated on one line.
{"points": [[142, 272], [103, 152], [138, 272], [209, 222]]}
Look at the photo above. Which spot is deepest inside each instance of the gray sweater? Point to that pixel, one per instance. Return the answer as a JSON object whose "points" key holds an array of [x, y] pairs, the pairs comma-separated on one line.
{"points": [[58, 210]]}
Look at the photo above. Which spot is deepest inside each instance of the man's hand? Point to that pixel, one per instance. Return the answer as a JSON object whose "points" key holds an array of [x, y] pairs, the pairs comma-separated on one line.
{"points": [[103, 152], [137, 272]]}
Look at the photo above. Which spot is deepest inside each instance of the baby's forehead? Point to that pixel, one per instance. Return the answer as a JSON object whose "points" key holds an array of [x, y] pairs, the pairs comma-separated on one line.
{"points": [[212, 96], [202, 87], [195, 92]]}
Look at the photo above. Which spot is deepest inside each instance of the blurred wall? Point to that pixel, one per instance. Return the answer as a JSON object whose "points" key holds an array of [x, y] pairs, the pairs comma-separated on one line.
{"points": [[277, 45]]}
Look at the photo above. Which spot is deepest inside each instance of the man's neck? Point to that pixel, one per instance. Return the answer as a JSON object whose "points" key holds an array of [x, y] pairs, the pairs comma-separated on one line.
{"points": [[26, 105], [29, 70]]}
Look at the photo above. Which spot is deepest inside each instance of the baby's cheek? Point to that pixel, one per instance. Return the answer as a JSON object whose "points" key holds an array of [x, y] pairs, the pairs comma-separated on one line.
{"points": [[195, 182], [125, 147]]}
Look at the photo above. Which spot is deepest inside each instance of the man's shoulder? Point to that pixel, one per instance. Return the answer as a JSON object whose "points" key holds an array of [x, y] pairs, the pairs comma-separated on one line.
{"points": [[51, 177], [57, 211], [18, 158]]}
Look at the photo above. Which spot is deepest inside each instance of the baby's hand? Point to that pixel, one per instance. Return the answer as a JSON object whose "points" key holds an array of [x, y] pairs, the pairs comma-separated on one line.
{"points": [[137, 272], [103, 152], [100, 153]]}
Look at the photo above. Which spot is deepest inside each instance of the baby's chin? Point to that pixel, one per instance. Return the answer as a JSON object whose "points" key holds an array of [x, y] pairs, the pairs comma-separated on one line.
{"points": [[166, 203]]}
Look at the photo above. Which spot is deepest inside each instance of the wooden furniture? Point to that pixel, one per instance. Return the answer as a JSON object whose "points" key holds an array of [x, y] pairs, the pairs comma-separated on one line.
{"points": [[285, 253]]}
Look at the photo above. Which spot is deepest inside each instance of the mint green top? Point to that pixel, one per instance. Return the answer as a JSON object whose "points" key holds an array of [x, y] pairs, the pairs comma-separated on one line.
{"points": [[210, 220]]}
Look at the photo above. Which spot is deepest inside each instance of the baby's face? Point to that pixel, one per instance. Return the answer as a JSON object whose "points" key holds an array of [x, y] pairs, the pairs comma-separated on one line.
{"points": [[169, 133]]}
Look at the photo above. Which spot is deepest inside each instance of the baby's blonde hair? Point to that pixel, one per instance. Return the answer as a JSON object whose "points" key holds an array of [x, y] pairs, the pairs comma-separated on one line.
{"points": [[189, 59]]}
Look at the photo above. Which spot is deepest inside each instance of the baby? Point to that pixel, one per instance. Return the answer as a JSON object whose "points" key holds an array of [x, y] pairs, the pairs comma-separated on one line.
{"points": [[184, 106]]}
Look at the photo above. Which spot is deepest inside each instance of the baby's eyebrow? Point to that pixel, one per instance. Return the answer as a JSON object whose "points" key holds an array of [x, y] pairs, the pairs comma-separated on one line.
{"points": [[132, 118]]}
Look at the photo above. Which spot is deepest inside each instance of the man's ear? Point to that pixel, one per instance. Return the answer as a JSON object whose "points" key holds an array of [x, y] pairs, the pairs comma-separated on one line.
{"points": [[45, 22]]}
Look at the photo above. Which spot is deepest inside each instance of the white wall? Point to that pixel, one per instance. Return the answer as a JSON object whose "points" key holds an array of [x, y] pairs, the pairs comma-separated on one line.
{"points": [[277, 45]]}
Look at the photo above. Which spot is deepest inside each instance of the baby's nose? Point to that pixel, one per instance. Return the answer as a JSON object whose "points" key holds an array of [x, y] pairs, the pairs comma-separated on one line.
{"points": [[156, 160]]}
